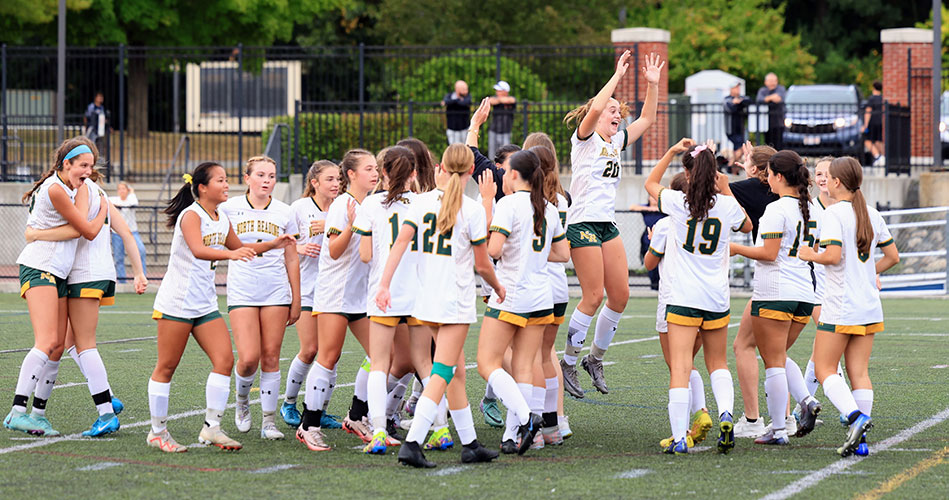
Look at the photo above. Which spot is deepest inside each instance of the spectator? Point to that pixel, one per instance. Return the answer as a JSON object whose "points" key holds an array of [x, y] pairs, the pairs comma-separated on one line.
{"points": [[457, 108], [502, 117], [873, 119], [126, 202], [96, 123], [736, 116], [773, 95], [651, 216]]}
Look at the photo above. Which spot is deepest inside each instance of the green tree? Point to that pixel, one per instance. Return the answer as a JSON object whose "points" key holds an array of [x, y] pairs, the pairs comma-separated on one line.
{"points": [[432, 80], [743, 37]]}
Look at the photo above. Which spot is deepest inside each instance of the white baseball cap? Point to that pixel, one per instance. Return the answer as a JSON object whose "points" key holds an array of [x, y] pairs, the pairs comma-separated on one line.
{"points": [[503, 86]]}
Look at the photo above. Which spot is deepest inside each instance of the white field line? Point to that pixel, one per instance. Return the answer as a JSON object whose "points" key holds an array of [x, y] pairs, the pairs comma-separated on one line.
{"points": [[447, 471], [99, 466], [273, 468], [103, 342], [844, 464]]}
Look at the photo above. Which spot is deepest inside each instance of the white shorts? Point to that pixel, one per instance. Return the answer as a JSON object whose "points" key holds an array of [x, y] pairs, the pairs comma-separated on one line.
{"points": [[661, 325]]}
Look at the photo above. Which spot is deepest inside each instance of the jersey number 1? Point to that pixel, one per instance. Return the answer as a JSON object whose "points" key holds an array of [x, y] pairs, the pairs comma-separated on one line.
{"points": [[394, 221]]}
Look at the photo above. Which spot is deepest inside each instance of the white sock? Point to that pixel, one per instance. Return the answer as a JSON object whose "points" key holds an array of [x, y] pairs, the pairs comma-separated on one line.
{"points": [[74, 354], [296, 376], [91, 365], [679, 412], [840, 370], [30, 369], [391, 381], [605, 330], [864, 400], [537, 399], [362, 376], [330, 388], [776, 394], [551, 393], [489, 392], [810, 378], [216, 392], [425, 411], [424, 384], [269, 391], [724, 391], [417, 386], [464, 425], [839, 394], [796, 384], [696, 392], [243, 384], [510, 395], [394, 397], [44, 387], [376, 389], [158, 404], [441, 416], [576, 335], [317, 387]]}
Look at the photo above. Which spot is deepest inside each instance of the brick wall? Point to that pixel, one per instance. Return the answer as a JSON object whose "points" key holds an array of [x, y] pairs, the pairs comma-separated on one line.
{"points": [[898, 85], [656, 139]]}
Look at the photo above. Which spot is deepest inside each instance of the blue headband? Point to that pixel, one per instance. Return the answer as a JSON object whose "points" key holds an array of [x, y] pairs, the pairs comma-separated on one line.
{"points": [[76, 151]]}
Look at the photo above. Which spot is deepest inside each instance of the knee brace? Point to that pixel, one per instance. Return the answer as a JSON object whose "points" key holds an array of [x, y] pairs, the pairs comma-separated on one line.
{"points": [[444, 371]]}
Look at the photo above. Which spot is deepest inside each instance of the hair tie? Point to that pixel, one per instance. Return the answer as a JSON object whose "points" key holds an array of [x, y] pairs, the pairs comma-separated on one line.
{"points": [[698, 149], [187, 178], [76, 151]]}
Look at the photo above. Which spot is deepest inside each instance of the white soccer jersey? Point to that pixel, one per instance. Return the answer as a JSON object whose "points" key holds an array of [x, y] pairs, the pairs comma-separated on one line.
{"points": [[851, 296], [698, 251], [522, 268], [341, 285], [556, 270], [94, 258], [382, 223], [820, 273], [263, 281], [657, 246], [305, 211], [54, 257], [187, 289], [446, 262], [788, 277], [595, 167]]}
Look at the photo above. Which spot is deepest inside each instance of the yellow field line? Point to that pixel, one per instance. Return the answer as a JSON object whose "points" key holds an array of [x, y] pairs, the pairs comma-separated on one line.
{"points": [[908, 474]]}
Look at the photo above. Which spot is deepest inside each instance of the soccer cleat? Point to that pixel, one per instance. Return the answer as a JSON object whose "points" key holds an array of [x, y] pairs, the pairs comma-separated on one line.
{"points": [[164, 442], [863, 449], [680, 447], [117, 405], [665, 443], [411, 454], [328, 421], [746, 429], [405, 424], [508, 447], [726, 436], [526, 432], [313, 438], [215, 436], [268, 430], [552, 436], [43, 422], [242, 414], [475, 452], [410, 404], [594, 367], [440, 440], [844, 421], [571, 383], [105, 424], [861, 424], [19, 421], [492, 414], [291, 416], [538, 443], [391, 441], [376, 445], [392, 430], [358, 427], [790, 425], [810, 408], [773, 438], [701, 424], [565, 431]]}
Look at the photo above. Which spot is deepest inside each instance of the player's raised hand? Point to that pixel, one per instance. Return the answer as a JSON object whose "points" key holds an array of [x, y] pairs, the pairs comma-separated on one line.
{"points": [[622, 64], [653, 68]]}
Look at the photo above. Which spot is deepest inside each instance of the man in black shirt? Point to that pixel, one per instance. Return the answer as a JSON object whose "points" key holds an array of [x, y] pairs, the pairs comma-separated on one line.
{"points": [[736, 116], [457, 108], [773, 95], [502, 117], [873, 121]]}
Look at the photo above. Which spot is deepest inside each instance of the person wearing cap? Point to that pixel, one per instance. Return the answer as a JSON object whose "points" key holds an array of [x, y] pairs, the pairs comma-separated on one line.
{"points": [[736, 116], [457, 108], [502, 117]]}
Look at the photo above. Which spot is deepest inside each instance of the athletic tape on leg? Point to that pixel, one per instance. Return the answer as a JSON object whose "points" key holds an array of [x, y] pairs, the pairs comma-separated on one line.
{"points": [[444, 371]]}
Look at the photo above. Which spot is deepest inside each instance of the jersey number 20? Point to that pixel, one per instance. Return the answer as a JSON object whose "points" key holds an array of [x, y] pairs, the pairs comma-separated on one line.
{"points": [[611, 170]]}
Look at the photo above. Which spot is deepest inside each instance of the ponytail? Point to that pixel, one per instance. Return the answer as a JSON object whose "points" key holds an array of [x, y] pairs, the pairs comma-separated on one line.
{"points": [[702, 169], [850, 174], [424, 165], [314, 172], [59, 156], [527, 164], [543, 147], [188, 192], [398, 165], [456, 160], [794, 170]]}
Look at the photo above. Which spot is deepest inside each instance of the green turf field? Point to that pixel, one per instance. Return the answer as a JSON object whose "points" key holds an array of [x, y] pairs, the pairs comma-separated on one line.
{"points": [[613, 453]]}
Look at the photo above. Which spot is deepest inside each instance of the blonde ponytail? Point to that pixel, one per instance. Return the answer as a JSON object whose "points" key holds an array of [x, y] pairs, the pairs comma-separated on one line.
{"points": [[456, 160]]}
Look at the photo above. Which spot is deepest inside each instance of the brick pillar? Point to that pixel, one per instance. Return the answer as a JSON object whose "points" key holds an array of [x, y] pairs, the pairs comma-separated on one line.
{"points": [[656, 139], [899, 84]]}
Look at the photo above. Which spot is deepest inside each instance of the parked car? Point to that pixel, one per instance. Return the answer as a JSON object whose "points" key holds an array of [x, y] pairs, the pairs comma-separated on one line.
{"points": [[824, 120]]}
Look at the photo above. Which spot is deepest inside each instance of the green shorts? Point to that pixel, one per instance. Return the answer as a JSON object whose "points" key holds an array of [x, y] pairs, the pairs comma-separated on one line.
{"points": [[783, 310], [591, 234], [350, 317], [560, 313], [30, 277], [690, 316], [867, 329], [543, 317], [308, 309], [191, 321], [104, 290]]}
